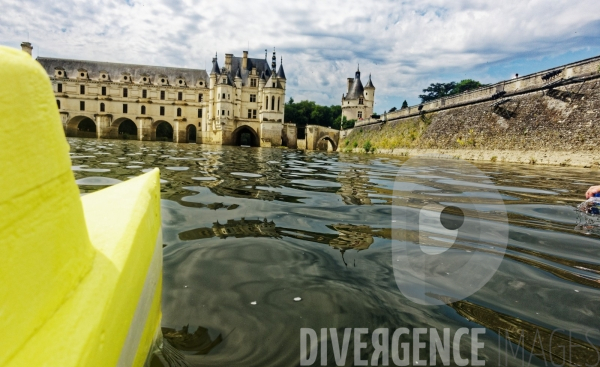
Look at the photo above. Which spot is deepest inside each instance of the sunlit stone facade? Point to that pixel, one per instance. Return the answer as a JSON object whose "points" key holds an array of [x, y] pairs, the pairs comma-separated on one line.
{"points": [[241, 103]]}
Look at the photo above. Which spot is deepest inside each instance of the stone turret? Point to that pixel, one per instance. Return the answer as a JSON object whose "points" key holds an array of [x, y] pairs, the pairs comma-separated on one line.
{"points": [[369, 92]]}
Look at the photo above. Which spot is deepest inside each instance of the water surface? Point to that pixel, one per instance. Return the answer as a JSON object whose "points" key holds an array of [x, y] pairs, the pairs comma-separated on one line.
{"points": [[249, 230]]}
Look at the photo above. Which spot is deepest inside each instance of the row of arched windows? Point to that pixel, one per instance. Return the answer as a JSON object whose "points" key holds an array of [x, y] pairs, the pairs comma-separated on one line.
{"points": [[272, 103]]}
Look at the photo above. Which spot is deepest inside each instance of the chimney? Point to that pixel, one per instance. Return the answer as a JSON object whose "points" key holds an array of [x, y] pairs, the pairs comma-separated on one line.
{"points": [[350, 81], [26, 47], [228, 61], [245, 61]]}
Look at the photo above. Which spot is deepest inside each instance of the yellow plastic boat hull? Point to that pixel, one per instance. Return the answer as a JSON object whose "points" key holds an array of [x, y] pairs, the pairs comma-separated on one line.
{"points": [[80, 277]]}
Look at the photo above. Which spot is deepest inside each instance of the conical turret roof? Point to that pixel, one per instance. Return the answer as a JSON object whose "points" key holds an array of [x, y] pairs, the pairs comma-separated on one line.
{"points": [[370, 83], [280, 72], [356, 89], [215, 67]]}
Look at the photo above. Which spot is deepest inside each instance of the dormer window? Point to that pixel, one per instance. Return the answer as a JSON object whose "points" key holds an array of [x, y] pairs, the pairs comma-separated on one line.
{"points": [[163, 80], [144, 79], [126, 78], [224, 80], [104, 75], [180, 82], [360, 100], [59, 73], [82, 74], [253, 82]]}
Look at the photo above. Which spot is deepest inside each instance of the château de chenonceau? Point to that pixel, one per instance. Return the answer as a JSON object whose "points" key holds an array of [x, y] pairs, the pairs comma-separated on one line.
{"points": [[241, 103]]}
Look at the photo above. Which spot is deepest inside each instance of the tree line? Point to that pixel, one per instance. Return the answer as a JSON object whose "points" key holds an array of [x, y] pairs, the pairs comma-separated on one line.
{"points": [[309, 113]]}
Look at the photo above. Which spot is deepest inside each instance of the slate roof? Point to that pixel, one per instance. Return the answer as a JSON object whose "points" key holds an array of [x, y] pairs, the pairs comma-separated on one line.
{"points": [[260, 64], [115, 70], [369, 83], [280, 72], [215, 67], [356, 89]]}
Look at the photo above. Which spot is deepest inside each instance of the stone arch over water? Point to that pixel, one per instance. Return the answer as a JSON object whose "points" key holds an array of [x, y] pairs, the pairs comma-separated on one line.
{"points": [[162, 131], [326, 143], [245, 135], [81, 127], [125, 129]]}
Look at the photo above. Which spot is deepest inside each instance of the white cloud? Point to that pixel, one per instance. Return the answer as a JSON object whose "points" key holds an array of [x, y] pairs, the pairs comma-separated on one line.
{"points": [[405, 44]]}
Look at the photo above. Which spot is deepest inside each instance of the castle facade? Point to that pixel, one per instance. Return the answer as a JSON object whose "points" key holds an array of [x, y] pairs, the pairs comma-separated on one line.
{"points": [[239, 104]]}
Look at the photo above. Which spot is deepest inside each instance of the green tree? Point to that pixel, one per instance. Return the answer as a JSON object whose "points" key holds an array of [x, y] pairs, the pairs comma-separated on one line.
{"points": [[437, 90], [465, 85], [392, 109], [404, 104], [309, 113]]}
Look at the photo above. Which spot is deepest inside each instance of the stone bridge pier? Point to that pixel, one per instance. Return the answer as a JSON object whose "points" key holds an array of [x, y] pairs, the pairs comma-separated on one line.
{"points": [[322, 138], [110, 126]]}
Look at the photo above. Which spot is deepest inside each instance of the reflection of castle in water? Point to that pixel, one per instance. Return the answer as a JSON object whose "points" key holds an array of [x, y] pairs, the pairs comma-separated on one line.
{"points": [[355, 183], [233, 228], [348, 236]]}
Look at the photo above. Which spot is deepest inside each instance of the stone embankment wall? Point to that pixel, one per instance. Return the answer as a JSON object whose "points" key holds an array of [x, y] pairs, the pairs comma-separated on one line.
{"points": [[544, 117]]}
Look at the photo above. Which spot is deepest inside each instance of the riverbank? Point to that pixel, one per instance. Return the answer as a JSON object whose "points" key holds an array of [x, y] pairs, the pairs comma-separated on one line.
{"points": [[554, 126], [556, 158]]}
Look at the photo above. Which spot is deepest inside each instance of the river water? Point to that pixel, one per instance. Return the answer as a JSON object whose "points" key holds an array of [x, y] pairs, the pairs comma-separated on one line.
{"points": [[260, 243]]}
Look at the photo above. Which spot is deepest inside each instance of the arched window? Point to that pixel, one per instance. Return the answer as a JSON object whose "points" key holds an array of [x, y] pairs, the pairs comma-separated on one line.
{"points": [[143, 110], [278, 102], [179, 112], [58, 103], [266, 102], [101, 107], [273, 103]]}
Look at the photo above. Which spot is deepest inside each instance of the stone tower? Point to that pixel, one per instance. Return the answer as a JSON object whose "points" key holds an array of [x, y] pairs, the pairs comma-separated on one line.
{"points": [[357, 103]]}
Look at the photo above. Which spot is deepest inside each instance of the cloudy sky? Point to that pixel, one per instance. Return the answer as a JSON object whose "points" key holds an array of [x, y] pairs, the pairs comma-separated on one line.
{"points": [[405, 45]]}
